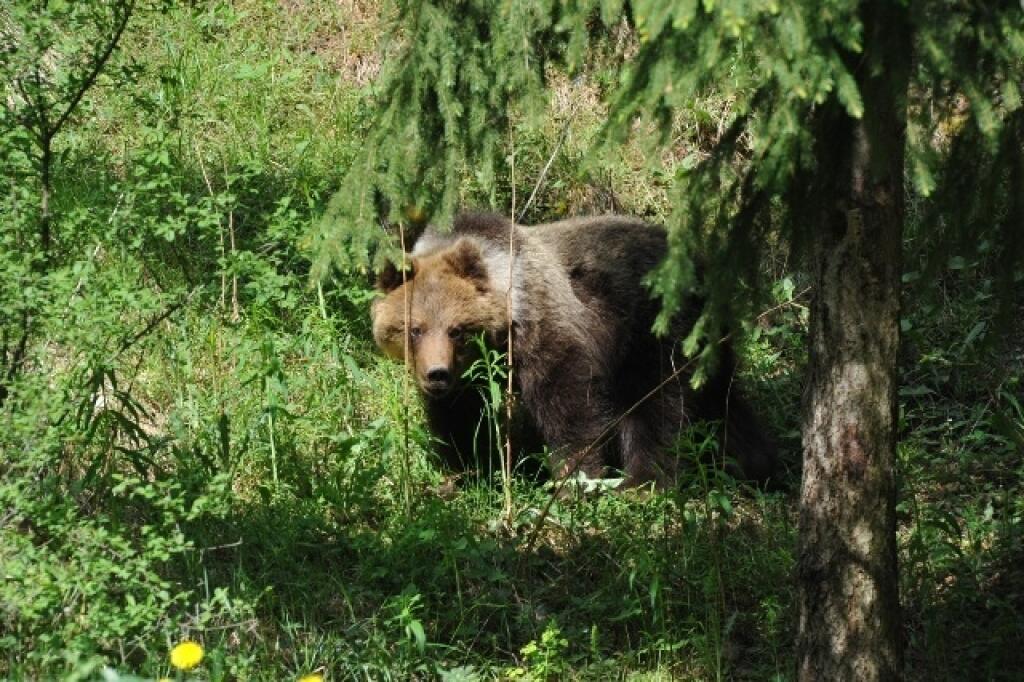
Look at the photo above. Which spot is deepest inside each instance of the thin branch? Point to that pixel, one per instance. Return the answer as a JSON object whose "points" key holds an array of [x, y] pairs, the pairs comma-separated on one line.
{"points": [[784, 304], [98, 65], [220, 230], [18, 357], [544, 173], [407, 321], [510, 394], [236, 314], [145, 331], [28, 118], [229, 545]]}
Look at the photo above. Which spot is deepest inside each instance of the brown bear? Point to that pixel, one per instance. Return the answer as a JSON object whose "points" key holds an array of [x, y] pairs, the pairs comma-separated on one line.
{"points": [[600, 389]]}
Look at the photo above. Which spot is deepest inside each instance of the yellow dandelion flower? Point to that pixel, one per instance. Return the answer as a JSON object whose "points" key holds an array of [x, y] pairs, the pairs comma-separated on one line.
{"points": [[312, 677], [186, 655]]}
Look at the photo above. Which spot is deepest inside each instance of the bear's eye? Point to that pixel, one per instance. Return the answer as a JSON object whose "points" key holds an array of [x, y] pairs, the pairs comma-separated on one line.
{"points": [[416, 332], [455, 333]]}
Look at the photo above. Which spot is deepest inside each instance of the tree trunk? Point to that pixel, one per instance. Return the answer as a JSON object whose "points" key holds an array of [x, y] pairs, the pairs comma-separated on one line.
{"points": [[849, 627]]}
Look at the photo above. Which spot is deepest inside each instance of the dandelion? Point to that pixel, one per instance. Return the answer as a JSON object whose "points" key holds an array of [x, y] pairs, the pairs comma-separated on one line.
{"points": [[312, 677], [186, 655]]}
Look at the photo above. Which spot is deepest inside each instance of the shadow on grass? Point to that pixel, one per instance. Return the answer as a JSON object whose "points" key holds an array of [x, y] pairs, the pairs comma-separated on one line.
{"points": [[638, 584], [964, 606]]}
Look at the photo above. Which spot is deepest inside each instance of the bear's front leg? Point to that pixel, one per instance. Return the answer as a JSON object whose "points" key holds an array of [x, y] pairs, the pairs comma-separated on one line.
{"points": [[575, 417]]}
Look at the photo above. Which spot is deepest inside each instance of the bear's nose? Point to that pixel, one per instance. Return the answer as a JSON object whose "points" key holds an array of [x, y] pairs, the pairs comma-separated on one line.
{"points": [[438, 375]]}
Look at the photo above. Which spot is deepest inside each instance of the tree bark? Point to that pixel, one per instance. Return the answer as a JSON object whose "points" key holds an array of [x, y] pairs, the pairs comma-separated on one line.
{"points": [[849, 618]]}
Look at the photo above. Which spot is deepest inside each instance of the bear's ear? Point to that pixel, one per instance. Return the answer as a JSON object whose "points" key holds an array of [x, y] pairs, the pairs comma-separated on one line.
{"points": [[467, 262], [390, 278]]}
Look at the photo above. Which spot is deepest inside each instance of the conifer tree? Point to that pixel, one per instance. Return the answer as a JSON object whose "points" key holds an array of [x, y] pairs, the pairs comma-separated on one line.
{"points": [[837, 106]]}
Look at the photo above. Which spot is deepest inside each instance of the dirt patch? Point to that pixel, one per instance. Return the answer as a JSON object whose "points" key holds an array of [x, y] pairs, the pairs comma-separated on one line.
{"points": [[344, 34]]}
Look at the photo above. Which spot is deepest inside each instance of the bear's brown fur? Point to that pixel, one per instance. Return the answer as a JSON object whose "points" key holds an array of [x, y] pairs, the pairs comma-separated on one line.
{"points": [[594, 380]]}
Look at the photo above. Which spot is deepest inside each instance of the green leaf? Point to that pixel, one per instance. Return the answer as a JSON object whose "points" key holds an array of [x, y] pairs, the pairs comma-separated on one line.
{"points": [[724, 503], [921, 174], [976, 331], [915, 391], [415, 630], [849, 93]]}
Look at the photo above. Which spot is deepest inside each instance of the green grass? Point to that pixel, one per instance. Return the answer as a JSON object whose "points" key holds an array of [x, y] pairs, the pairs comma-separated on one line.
{"points": [[248, 473]]}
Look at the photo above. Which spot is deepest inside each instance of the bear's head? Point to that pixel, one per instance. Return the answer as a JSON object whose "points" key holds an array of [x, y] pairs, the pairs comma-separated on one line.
{"points": [[451, 298]]}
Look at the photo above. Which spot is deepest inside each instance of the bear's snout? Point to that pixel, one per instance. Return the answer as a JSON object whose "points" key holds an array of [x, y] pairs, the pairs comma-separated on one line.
{"points": [[438, 380], [435, 372]]}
